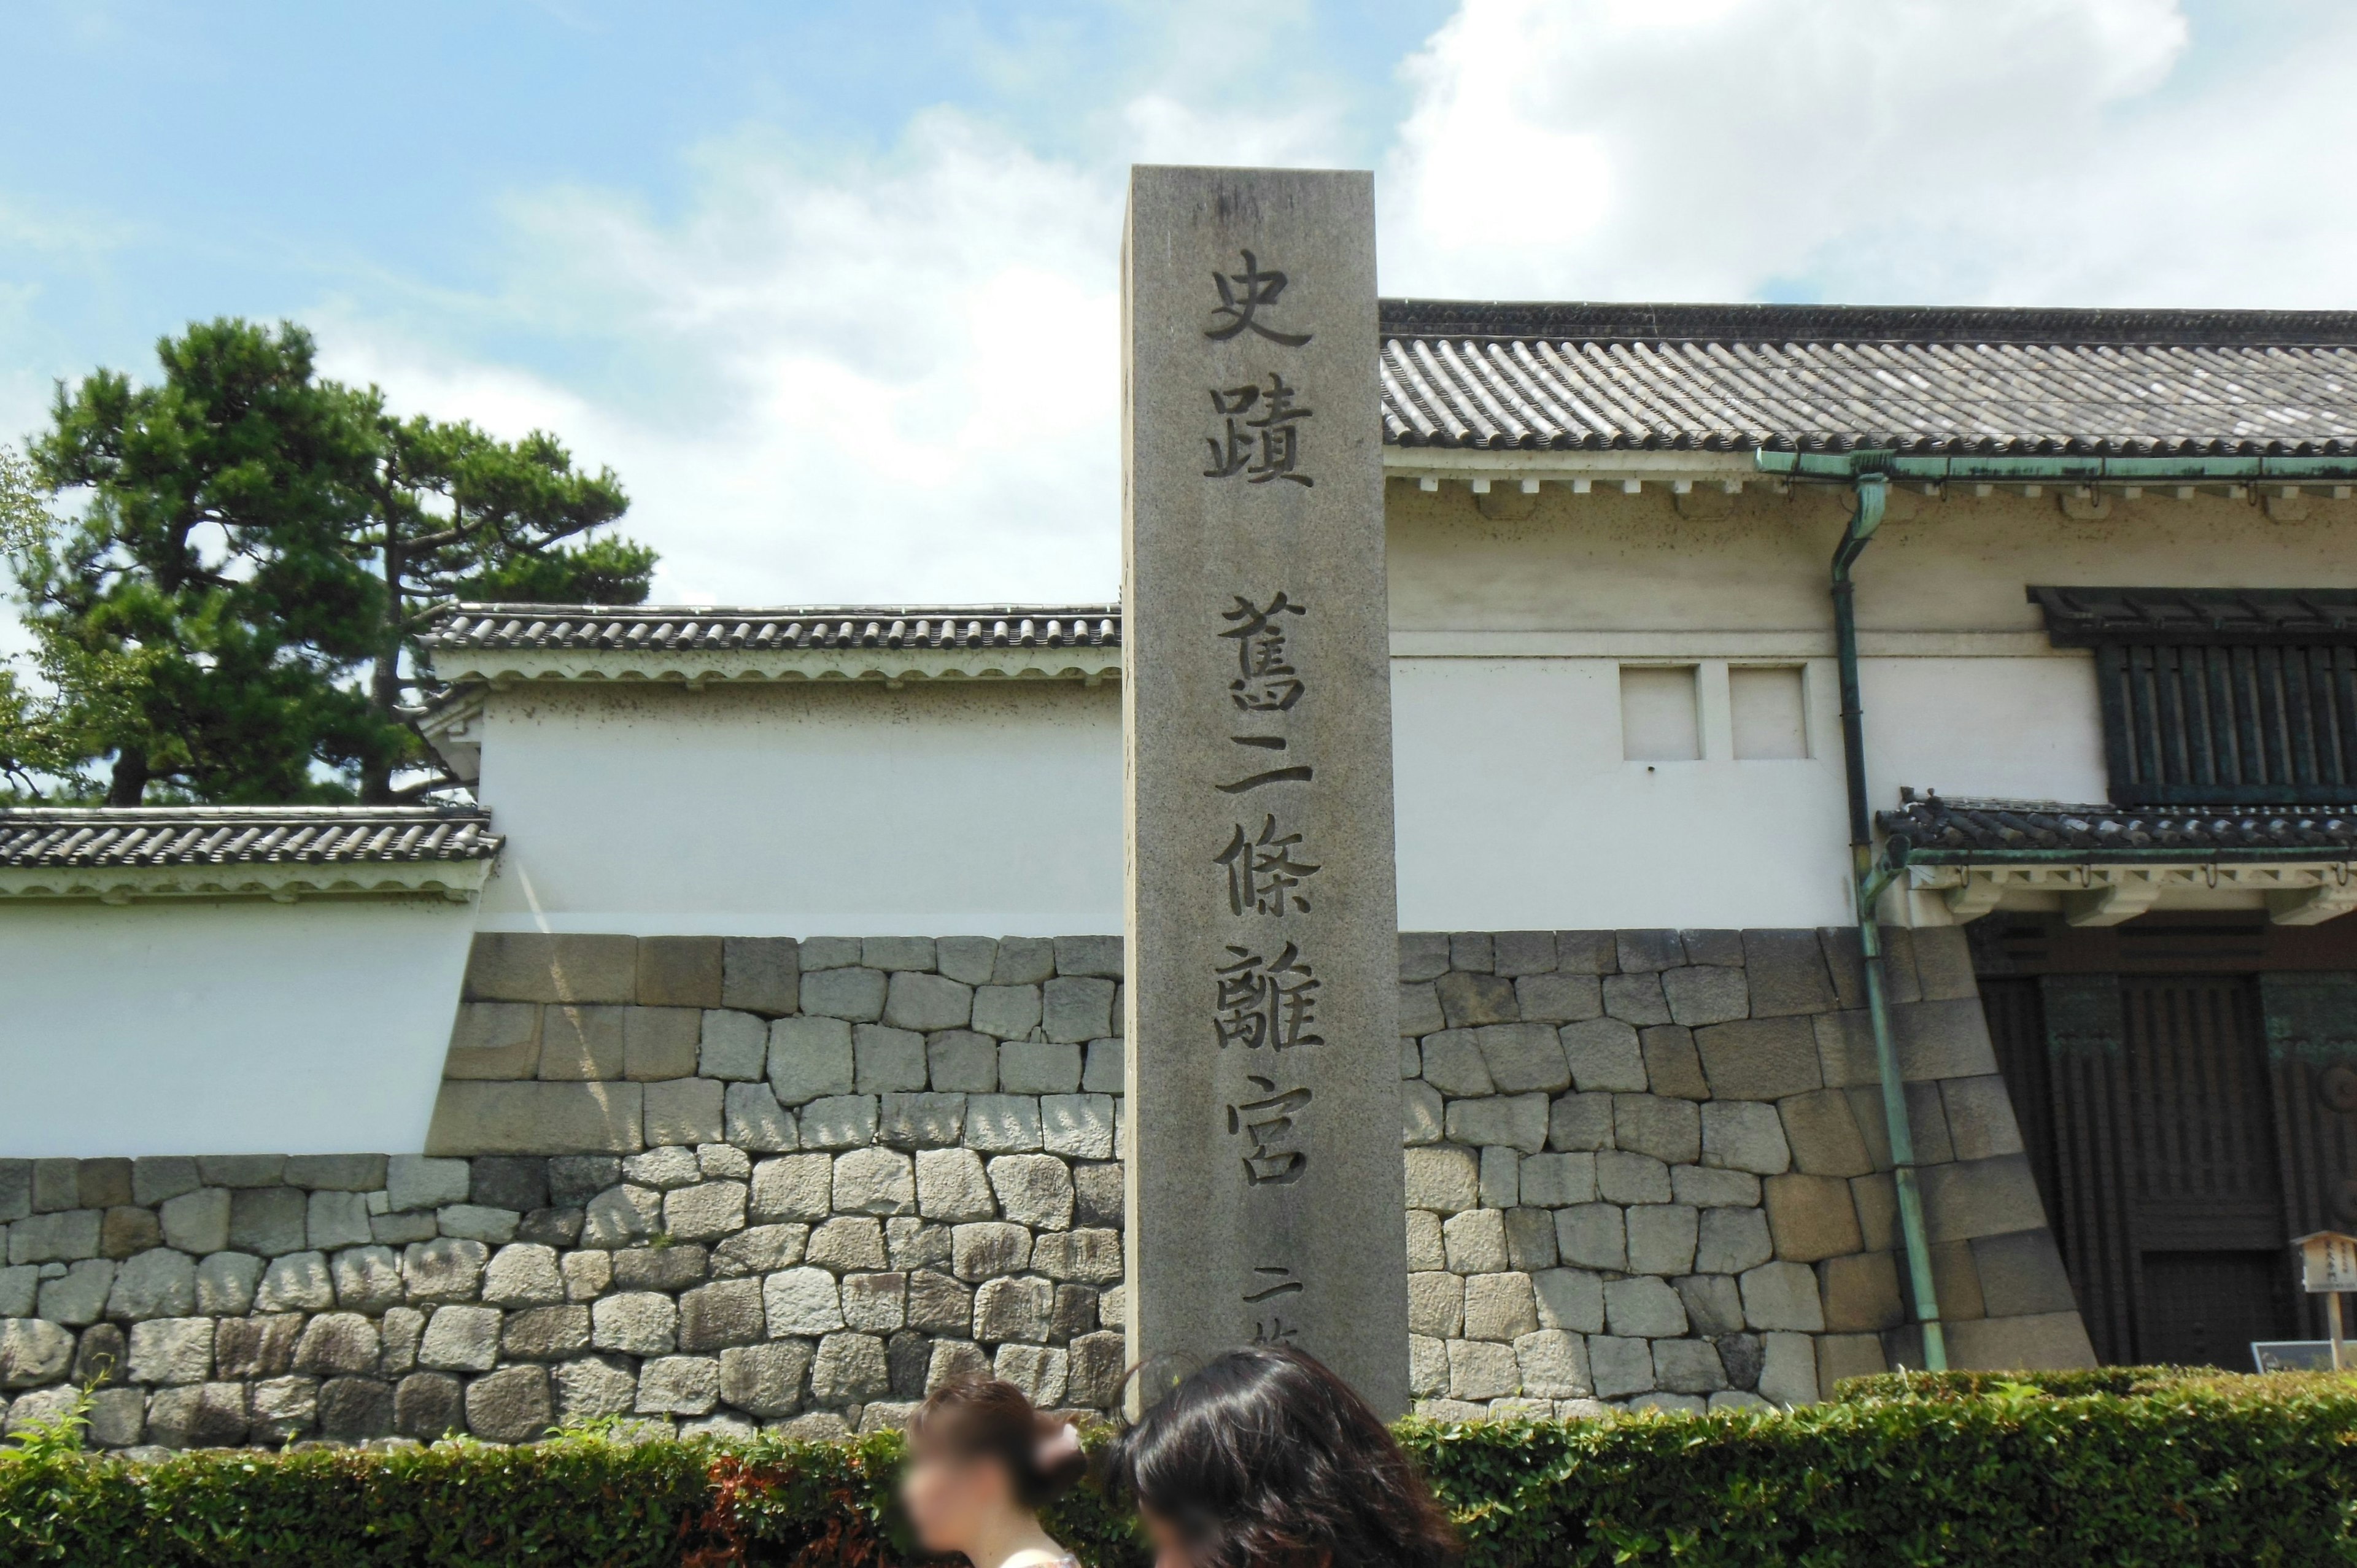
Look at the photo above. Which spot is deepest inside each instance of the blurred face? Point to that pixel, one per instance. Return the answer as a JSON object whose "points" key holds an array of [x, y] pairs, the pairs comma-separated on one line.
{"points": [[1169, 1544], [953, 1500]]}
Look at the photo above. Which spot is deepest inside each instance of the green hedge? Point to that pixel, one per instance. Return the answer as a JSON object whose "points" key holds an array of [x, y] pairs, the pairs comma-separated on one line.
{"points": [[2176, 1469]]}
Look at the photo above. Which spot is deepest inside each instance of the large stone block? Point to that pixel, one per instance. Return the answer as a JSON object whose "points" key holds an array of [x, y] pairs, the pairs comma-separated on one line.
{"points": [[226, 1282], [299, 1282], [412, 1182], [1669, 1130], [756, 1121], [705, 1212], [1522, 952], [1744, 1136], [760, 974], [1076, 1009], [1571, 1299], [1098, 956], [1787, 974], [1002, 1123], [1970, 1198], [1861, 1293], [1090, 1257], [1933, 1040], [1445, 1179], [1618, 1366], [928, 1001], [1925, 1118], [1422, 955], [1470, 1001], [1499, 1306], [595, 1386], [1688, 1366], [685, 1112], [583, 1043], [643, 1322], [232, 1170], [2052, 1341], [545, 1333], [1420, 1010], [680, 972], [1644, 1307], [33, 1352], [514, 1404], [2021, 1275], [127, 1230], [1783, 1296], [810, 1057], [1639, 951], [1706, 994], [1636, 999], [728, 1311], [1943, 964], [839, 1121], [1523, 1057], [1580, 1122], [204, 1415], [1586, 953], [1823, 1134], [1714, 1303], [169, 1350], [794, 1187], [267, 1221], [1980, 1118], [1592, 1236], [158, 1282], [663, 1042], [1672, 1067], [765, 1379], [77, 1297], [494, 1040], [1098, 1365], [1788, 1369], [1039, 1067], [1625, 1178], [1079, 1126], [854, 995], [801, 1302], [850, 1368], [1035, 1190], [1759, 1059], [1480, 1370], [1475, 1241], [1557, 998], [1811, 1216], [847, 1242], [536, 1119], [464, 1338], [1841, 1356], [1661, 1238], [1014, 1309], [1604, 1056], [1512, 1121], [532, 966], [1453, 1065], [1557, 1180], [1730, 1241]]}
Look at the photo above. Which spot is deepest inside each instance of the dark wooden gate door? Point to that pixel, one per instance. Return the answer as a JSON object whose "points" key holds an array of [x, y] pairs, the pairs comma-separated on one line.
{"points": [[2148, 1107]]}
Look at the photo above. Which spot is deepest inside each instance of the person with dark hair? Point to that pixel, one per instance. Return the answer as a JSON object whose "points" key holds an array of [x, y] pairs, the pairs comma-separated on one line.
{"points": [[1264, 1459], [982, 1463]]}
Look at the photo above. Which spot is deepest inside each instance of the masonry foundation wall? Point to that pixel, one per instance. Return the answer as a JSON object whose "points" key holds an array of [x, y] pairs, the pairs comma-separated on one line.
{"points": [[707, 1183]]}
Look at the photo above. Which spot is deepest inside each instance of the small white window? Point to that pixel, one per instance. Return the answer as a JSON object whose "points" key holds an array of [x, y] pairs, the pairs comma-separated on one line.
{"points": [[1770, 712], [1659, 719]]}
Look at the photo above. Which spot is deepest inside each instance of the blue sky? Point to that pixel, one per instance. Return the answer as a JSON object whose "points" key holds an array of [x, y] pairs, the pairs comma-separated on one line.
{"points": [[831, 285]]}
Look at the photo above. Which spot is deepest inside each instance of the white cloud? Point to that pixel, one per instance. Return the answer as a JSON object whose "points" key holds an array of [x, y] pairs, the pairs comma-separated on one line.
{"points": [[2008, 151], [832, 378]]}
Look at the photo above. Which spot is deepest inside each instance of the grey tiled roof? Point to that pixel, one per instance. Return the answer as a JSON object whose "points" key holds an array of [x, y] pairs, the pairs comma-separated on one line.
{"points": [[1738, 378], [33, 836], [2087, 618], [1942, 829], [681, 627]]}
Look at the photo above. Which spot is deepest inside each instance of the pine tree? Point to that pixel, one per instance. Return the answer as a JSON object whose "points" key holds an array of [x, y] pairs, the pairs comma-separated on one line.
{"points": [[234, 614]]}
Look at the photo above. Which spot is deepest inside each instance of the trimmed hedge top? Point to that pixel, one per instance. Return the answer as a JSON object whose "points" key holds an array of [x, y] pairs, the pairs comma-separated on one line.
{"points": [[2173, 1468]]}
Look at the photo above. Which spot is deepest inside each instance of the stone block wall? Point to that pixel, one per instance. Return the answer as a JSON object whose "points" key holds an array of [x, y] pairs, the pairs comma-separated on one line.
{"points": [[708, 1183], [1651, 1168]]}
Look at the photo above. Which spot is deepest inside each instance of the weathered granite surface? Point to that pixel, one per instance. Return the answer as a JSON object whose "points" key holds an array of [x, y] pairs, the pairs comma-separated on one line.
{"points": [[1640, 1167], [1257, 723]]}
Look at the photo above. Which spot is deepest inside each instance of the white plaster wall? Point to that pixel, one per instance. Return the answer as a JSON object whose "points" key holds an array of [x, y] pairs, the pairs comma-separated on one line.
{"points": [[824, 810], [236, 1027]]}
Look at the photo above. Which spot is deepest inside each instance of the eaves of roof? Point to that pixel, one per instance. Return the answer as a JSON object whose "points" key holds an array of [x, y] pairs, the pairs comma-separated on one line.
{"points": [[498, 644], [282, 852]]}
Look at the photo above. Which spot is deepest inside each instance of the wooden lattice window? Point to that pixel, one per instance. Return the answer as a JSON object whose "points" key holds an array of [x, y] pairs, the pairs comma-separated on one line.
{"points": [[2219, 697]]}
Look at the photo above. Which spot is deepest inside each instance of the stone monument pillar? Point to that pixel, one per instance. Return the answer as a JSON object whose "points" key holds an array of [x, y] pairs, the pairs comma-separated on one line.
{"points": [[1263, 1105]]}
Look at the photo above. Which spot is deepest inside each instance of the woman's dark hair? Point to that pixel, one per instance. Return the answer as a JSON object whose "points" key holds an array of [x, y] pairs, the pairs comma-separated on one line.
{"points": [[984, 1418], [1264, 1459]]}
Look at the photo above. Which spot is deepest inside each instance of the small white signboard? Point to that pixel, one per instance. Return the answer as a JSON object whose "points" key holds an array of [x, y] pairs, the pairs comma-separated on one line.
{"points": [[2328, 1262]]}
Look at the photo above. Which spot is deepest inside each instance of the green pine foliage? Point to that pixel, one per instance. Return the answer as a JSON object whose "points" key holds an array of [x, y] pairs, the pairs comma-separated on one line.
{"points": [[232, 609], [2175, 1469]]}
